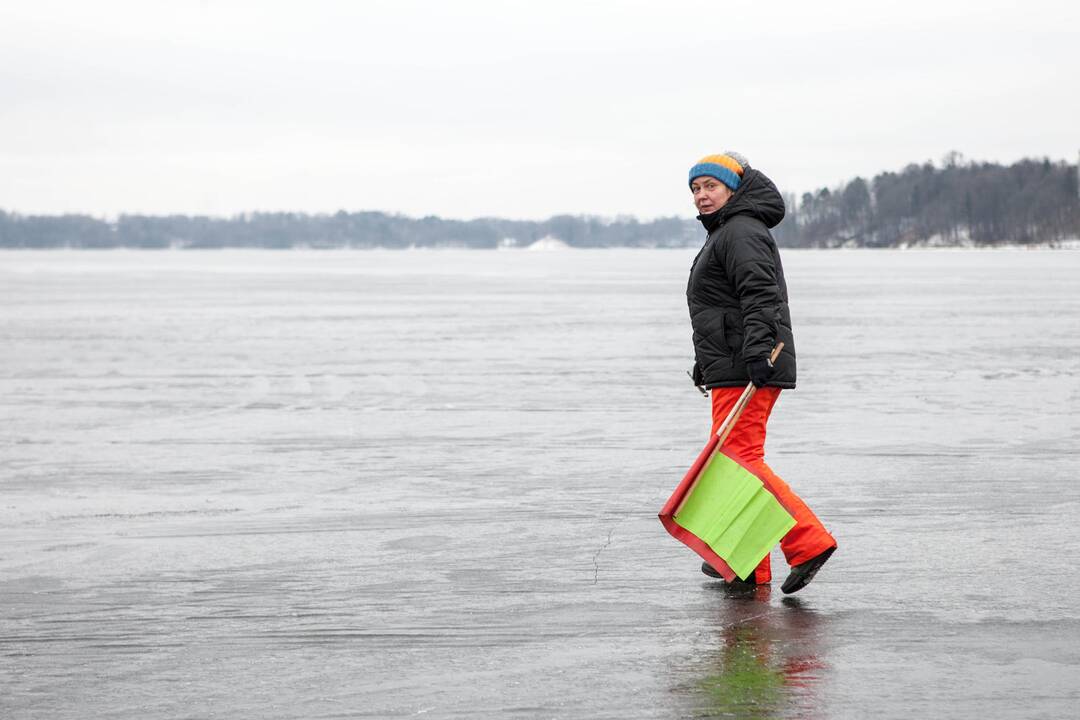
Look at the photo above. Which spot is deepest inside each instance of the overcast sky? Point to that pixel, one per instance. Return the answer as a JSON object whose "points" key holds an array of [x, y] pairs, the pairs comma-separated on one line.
{"points": [[515, 109]]}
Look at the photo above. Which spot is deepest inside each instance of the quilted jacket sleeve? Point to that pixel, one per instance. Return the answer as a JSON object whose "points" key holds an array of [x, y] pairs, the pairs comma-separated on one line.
{"points": [[750, 263]]}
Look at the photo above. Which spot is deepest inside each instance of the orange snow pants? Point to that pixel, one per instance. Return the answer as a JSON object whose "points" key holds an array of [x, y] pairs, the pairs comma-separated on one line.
{"points": [[747, 440]]}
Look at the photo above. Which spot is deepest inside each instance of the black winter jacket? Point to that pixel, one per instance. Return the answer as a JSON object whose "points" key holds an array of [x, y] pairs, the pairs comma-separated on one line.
{"points": [[736, 293]]}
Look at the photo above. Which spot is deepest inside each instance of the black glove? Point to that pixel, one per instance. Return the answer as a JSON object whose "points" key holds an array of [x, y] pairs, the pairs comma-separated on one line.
{"points": [[697, 379], [760, 371], [696, 375]]}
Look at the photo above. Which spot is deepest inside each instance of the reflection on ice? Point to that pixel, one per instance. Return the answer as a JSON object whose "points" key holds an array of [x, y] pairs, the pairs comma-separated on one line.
{"points": [[766, 659]]}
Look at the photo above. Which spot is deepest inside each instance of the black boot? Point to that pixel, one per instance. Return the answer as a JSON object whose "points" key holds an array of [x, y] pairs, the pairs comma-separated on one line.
{"points": [[712, 572], [801, 575]]}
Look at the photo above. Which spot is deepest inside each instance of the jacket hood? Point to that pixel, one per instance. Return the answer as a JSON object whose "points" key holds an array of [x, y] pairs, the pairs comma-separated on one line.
{"points": [[757, 197]]}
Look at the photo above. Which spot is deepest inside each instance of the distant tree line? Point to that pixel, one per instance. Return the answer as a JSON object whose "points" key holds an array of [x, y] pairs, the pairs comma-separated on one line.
{"points": [[340, 230], [1032, 201], [958, 203]]}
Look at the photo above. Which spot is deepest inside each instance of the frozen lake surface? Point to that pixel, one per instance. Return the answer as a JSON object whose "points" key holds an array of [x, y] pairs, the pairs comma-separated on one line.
{"points": [[386, 484]]}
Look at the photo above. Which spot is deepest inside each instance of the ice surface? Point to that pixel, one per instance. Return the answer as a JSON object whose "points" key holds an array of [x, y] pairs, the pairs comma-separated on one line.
{"points": [[331, 484]]}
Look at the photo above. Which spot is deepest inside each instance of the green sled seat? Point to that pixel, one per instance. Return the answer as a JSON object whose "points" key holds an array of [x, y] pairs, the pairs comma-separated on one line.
{"points": [[724, 511]]}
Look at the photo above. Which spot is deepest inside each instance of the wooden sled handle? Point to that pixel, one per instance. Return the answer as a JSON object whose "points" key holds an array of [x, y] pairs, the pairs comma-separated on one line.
{"points": [[729, 422]]}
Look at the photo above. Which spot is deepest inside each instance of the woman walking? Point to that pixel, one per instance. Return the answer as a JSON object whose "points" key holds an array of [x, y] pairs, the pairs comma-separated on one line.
{"points": [[739, 311]]}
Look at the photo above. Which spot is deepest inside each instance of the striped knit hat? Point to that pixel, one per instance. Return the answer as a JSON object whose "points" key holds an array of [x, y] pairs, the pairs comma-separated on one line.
{"points": [[727, 168]]}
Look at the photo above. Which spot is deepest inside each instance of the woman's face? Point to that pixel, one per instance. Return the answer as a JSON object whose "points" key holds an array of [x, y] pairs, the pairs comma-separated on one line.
{"points": [[709, 194]]}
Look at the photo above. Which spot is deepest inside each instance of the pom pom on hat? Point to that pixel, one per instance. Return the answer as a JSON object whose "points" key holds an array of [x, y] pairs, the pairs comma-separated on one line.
{"points": [[727, 167], [738, 157]]}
